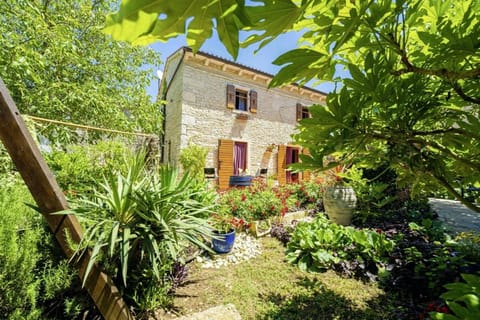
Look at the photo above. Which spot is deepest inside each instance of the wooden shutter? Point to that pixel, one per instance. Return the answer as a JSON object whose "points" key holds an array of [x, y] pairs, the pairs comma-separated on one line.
{"points": [[225, 163], [306, 173], [253, 101], [282, 165], [230, 96], [299, 111]]}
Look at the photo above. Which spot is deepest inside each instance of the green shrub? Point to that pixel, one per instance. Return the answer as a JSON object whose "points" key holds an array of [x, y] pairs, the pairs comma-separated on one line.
{"points": [[462, 298], [18, 258], [468, 245], [376, 191], [35, 278], [321, 245], [138, 224], [193, 159], [78, 169]]}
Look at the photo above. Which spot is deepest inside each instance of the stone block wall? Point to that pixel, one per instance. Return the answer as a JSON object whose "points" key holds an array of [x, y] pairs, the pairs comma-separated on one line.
{"points": [[203, 117]]}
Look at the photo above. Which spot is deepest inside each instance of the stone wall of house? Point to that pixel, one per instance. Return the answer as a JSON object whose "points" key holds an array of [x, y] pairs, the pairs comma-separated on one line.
{"points": [[175, 134], [205, 118]]}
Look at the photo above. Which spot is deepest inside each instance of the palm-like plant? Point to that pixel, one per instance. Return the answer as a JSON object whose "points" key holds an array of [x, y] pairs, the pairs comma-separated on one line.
{"points": [[142, 216], [171, 216]]}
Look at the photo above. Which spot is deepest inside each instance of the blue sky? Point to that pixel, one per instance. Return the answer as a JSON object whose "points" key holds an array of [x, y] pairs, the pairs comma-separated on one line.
{"points": [[261, 60]]}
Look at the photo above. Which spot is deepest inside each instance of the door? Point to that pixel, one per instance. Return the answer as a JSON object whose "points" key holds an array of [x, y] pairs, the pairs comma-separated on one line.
{"points": [[232, 160], [239, 157], [291, 157], [286, 156]]}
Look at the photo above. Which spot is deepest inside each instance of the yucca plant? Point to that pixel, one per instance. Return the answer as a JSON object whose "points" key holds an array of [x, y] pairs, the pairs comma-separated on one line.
{"points": [[110, 217], [144, 216], [171, 216]]}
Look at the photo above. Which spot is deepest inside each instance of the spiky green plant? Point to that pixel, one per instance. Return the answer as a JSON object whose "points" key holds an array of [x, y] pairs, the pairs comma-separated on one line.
{"points": [[144, 217]]}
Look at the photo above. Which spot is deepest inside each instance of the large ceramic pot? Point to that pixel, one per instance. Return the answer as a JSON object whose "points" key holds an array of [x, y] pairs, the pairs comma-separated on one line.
{"points": [[223, 242], [339, 203]]}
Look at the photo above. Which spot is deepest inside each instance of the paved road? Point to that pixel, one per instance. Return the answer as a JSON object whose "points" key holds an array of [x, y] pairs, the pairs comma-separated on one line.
{"points": [[456, 216]]}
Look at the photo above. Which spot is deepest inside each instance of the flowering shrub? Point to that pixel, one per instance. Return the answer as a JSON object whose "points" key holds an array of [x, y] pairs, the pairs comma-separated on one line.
{"points": [[248, 205], [305, 194], [224, 222], [260, 201]]}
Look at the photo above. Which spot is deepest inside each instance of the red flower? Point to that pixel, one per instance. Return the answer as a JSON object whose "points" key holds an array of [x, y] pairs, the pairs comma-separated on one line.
{"points": [[244, 197]]}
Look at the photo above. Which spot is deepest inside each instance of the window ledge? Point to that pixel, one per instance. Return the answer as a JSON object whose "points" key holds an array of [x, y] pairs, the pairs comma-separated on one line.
{"points": [[240, 114]]}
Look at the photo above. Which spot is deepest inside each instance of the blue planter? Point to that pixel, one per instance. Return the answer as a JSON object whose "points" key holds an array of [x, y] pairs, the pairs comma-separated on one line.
{"points": [[240, 181], [223, 242]]}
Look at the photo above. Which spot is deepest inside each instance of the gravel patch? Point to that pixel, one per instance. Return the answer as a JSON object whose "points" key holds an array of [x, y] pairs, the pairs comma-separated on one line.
{"points": [[244, 248]]}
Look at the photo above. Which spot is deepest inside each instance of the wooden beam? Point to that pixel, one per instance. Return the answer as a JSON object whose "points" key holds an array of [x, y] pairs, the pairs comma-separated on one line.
{"points": [[49, 198]]}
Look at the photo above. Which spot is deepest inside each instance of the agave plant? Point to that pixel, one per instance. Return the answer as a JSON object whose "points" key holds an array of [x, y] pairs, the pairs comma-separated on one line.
{"points": [[143, 216]]}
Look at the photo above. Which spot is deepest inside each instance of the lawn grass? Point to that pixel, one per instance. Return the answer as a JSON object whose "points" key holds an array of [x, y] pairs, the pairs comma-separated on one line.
{"points": [[268, 288]]}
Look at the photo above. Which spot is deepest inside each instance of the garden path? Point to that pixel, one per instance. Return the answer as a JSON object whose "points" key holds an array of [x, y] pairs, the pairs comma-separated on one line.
{"points": [[456, 216]]}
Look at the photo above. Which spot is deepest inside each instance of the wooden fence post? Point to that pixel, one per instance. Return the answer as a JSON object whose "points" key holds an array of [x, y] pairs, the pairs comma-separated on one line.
{"points": [[49, 198]]}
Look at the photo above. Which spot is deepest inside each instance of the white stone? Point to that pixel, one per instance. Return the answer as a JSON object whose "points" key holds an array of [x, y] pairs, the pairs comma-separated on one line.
{"points": [[245, 248]]}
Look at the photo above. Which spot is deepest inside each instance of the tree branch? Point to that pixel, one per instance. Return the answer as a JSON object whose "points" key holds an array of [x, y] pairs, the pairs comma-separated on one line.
{"points": [[454, 193], [442, 73], [463, 95], [448, 152], [445, 131]]}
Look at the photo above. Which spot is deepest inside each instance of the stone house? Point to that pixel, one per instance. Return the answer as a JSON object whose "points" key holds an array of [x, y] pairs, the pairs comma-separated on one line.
{"points": [[228, 107]]}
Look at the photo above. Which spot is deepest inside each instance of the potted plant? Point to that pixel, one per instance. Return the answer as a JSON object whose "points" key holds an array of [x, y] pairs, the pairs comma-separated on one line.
{"points": [[339, 199], [224, 226]]}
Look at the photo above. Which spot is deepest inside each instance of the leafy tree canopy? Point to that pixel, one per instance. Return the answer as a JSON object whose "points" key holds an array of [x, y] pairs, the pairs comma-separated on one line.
{"points": [[58, 64], [411, 98]]}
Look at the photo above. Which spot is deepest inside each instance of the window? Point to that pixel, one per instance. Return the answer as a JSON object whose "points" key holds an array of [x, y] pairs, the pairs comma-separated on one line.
{"points": [[302, 112], [305, 113], [241, 99]]}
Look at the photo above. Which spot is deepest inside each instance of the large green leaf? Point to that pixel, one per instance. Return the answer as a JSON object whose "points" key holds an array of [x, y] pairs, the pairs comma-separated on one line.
{"points": [[143, 22], [301, 65], [282, 15]]}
